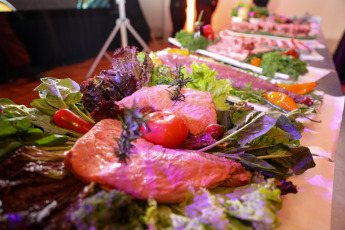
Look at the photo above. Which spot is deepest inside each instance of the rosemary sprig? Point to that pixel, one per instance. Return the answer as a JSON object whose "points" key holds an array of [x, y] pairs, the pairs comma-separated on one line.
{"points": [[180, 82], [131, 124]]}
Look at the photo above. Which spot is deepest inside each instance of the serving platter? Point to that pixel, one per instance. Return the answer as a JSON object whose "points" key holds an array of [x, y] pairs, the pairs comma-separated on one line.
{"points": [[314, 73]]}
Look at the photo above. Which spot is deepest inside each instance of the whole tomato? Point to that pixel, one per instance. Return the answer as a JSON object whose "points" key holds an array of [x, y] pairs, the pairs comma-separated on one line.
{"points": [[168, 129], [291, 52], [208, 31]]}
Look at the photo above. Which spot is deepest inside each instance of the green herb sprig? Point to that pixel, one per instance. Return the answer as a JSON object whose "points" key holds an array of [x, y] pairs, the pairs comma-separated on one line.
{"points": [[180, 82], [131, 124]]}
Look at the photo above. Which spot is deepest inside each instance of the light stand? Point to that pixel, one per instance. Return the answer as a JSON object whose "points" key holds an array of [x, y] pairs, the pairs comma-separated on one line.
{"points": [[121, 23]]}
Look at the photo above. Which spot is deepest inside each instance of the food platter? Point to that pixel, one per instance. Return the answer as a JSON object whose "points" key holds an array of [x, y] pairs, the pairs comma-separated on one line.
{"points": [[314, 73], [319, 178]]}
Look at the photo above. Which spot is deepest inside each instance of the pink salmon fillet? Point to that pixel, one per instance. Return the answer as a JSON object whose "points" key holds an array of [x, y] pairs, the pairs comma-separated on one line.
{"points": [[152, 171]]}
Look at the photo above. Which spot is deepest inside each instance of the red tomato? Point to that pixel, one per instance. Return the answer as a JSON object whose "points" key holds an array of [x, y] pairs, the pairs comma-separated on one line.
{"points": [[216, 131], [207, 29], [168, 129], [210, 36], [65, 118], [291, 52]]}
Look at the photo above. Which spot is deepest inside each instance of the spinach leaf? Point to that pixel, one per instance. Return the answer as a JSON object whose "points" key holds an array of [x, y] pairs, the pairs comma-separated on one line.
{"points": [[286, 158], [11, 126], [37, 118]]}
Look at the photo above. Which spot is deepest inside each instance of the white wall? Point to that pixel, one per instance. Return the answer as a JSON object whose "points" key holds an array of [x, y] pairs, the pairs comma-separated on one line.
{"points": [[157, 14], [332, 12]]}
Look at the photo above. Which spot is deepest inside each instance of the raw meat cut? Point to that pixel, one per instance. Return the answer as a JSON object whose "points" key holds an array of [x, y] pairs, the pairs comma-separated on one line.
{"points": [[152, 171], [237, 78], [197, 109]]}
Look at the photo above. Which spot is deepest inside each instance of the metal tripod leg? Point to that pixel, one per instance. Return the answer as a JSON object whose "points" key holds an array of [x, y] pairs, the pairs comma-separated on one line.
{"points": [[104, 49], [137, 37]]}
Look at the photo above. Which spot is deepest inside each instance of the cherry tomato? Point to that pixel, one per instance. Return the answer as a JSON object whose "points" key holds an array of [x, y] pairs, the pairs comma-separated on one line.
{"points": [[168, 129], [282, 100], [302, 88], [291, 52], [65, 118], [216, 131], [207, 29]]}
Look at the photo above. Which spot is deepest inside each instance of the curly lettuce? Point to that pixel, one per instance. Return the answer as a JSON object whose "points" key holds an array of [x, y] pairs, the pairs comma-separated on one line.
{"points": [[204, 79], [254, 206]]}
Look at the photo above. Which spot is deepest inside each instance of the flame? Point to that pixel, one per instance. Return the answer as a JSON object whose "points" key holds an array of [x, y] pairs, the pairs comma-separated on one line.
{"points": [[190, 10]]}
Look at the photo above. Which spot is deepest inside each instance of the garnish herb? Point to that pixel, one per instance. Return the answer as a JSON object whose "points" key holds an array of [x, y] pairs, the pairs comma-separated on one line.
{"points": [[180, 82], [56, 94], [131, 124]]}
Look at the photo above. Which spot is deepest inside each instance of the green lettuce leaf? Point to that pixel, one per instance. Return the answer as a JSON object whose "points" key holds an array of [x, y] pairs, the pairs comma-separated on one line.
{"points": [[203, 79], [254, 206], [109, 210]]}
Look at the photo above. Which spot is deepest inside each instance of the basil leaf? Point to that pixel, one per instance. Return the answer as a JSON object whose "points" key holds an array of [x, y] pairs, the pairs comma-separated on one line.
{"points": [[59, 93]]}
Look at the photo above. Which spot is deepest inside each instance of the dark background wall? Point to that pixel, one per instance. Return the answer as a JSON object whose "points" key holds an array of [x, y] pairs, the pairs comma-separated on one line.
{"points": [[59, 37]]}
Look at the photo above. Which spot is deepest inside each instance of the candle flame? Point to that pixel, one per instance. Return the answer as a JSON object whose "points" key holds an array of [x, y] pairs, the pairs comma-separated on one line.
{"points": [[190, 11]]}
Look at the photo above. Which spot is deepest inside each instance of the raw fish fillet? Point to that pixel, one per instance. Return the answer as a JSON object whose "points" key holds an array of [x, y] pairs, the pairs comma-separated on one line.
{"points": [[197, 109], [152, 171]]}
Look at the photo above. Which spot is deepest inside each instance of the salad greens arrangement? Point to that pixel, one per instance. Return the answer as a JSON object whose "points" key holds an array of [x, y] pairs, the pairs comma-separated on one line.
{"points": [[266, 143], [21, 126], [254, 206], [188, 40], [273, 62]]}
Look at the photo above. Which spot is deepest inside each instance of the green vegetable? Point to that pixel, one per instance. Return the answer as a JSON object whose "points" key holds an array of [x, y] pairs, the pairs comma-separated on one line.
{"points": [[109, 210], [188, 41], [56, 94], [162, 75], [37, 118], [254, 206], [264, 141], [203, 79], [273, 62]]}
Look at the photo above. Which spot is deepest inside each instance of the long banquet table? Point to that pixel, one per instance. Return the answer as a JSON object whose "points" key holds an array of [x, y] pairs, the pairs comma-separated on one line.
{"points": [[330, 84]]}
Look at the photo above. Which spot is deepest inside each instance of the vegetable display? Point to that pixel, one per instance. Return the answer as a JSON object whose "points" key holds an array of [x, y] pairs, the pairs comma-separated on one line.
{"points": [[263, 144], [276, 62]]}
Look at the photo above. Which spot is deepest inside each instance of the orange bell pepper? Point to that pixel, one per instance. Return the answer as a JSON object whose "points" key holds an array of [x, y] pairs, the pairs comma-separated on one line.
{"points": [[255, 61], [302, 88], [282, 100]]}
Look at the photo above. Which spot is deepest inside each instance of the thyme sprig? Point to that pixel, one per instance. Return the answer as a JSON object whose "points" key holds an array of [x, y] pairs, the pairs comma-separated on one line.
{"points": [[131, 124], [180, 82]]}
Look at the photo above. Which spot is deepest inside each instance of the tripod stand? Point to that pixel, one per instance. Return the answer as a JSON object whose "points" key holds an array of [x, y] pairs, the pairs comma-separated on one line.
{"points": [[121, 23]]}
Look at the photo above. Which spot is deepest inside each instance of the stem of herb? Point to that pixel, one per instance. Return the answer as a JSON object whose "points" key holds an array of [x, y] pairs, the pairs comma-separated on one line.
{"points": [[84, 115], [272, 157], [224, 139], [56, 148]]}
